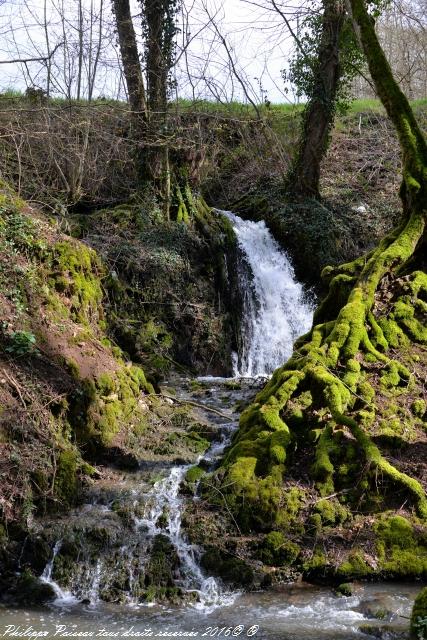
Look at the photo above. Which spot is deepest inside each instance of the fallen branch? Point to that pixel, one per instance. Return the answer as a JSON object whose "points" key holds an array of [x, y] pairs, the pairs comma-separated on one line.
{"points": [[194, 404]]}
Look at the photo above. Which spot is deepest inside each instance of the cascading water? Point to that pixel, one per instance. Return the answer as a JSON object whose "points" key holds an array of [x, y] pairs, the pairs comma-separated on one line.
{"points": [[274, 314], [165, 500], [275, 310], [62, 596]]}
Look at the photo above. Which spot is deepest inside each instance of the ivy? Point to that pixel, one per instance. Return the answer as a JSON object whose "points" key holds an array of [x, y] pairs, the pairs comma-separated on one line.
{"points": [[304, 64]]}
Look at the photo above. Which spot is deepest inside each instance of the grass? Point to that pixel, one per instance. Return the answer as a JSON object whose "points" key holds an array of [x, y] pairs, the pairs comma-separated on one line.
{"points": [[230, 109]]}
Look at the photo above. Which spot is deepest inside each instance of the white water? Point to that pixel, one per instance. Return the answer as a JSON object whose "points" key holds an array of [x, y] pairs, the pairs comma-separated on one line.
{"points": [[164, 499], [62, 597], [275, 311]]}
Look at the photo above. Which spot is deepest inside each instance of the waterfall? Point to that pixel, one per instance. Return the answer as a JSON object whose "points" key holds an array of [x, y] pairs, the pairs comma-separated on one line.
{"points": [[165, 499], [275, 310], [275, 313], [46, 577]]}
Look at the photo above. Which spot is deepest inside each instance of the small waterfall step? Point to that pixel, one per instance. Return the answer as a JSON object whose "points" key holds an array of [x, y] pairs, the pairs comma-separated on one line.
{"points": [[275, 309]]}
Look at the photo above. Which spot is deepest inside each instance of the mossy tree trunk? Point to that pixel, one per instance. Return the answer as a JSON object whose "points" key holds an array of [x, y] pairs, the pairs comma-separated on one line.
{"points": [[159, 167], [412, 142], [159, 30], [304, 177], [326, 393]]}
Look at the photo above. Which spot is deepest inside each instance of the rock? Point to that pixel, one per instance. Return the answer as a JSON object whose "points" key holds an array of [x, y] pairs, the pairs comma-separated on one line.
{"points": [[344, 589], [232, 570], [382, 632], [32, 591]]}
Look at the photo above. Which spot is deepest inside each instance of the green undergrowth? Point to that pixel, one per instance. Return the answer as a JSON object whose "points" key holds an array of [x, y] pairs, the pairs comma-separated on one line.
{"points": [[419, 616]]}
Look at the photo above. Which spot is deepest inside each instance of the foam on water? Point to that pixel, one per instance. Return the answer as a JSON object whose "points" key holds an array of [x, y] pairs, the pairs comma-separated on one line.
{"points": [[275, 310]]}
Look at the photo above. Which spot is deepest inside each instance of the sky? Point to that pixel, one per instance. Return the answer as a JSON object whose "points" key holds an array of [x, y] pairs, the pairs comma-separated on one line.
{"points": [[255, 38]]}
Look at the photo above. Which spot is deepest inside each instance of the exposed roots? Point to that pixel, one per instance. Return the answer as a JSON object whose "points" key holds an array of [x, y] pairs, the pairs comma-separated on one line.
{"points": [[324, 388]]}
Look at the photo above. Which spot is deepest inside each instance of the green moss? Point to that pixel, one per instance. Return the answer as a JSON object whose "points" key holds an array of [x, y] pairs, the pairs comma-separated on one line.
{"points": [[331, 512], [317, 565], [75, 273], [66, 481], [354, 567], [401, 552], [194, 474], [103, 407], [276, 550], [418, 408], [395, 531], [419, 616], [344, 589], [405, 563]]}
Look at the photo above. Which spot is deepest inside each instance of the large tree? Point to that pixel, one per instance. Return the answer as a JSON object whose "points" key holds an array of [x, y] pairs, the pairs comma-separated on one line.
{"points": [[319, 75], [149, 100], [330, 399]]}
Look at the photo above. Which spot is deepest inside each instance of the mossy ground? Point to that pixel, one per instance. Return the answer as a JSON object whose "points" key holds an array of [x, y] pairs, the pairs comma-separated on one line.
{"points": [[69, 398]]}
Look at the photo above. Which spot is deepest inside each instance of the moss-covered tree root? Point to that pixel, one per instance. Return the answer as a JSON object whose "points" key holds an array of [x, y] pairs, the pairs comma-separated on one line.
{"points": [[324, 399]]}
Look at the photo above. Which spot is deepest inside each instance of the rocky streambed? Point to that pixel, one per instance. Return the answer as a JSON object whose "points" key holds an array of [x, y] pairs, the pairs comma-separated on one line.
{"points": [[124, 563]]}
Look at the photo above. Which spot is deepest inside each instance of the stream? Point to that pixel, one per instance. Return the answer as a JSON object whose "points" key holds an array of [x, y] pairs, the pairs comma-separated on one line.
{"points": [[275, 313]]}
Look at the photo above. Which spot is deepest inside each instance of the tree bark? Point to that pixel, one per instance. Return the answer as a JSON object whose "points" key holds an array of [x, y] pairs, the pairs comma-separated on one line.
{"points": [[159, 33], [130, 58], [304, 177], [413, 146]]}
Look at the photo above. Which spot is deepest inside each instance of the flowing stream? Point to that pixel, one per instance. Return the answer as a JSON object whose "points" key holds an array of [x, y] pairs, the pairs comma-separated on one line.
{"points": [[275, 312]]}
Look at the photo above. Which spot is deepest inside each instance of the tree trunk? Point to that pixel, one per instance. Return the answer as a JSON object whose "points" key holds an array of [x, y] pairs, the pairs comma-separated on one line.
{"points": [[304, 177], [158, 22], [412, 142], [130, 58]]}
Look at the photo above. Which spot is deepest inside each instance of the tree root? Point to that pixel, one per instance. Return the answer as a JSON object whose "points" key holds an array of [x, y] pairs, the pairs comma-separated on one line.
{"points": [[325, 388]]}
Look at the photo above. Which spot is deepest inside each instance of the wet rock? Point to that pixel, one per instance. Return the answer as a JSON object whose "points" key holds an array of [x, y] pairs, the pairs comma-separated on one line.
{"points": [[232, 570], [382, 632], [120, 458], [163, 564], [344, 589], [35, 553], [32, 591]]}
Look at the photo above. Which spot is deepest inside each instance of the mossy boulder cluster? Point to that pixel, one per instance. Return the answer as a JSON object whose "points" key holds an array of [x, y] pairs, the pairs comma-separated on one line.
{"points": [[173, 300]]}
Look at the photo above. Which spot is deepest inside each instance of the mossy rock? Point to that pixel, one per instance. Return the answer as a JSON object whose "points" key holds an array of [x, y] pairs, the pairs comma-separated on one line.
{"points": [[191, 479], [66, 480], [31, 591], [276, 550], [418, 408], [344, 589], [419, 616], [354, 567], [232, 570], [401, 548], [162, 565]]}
